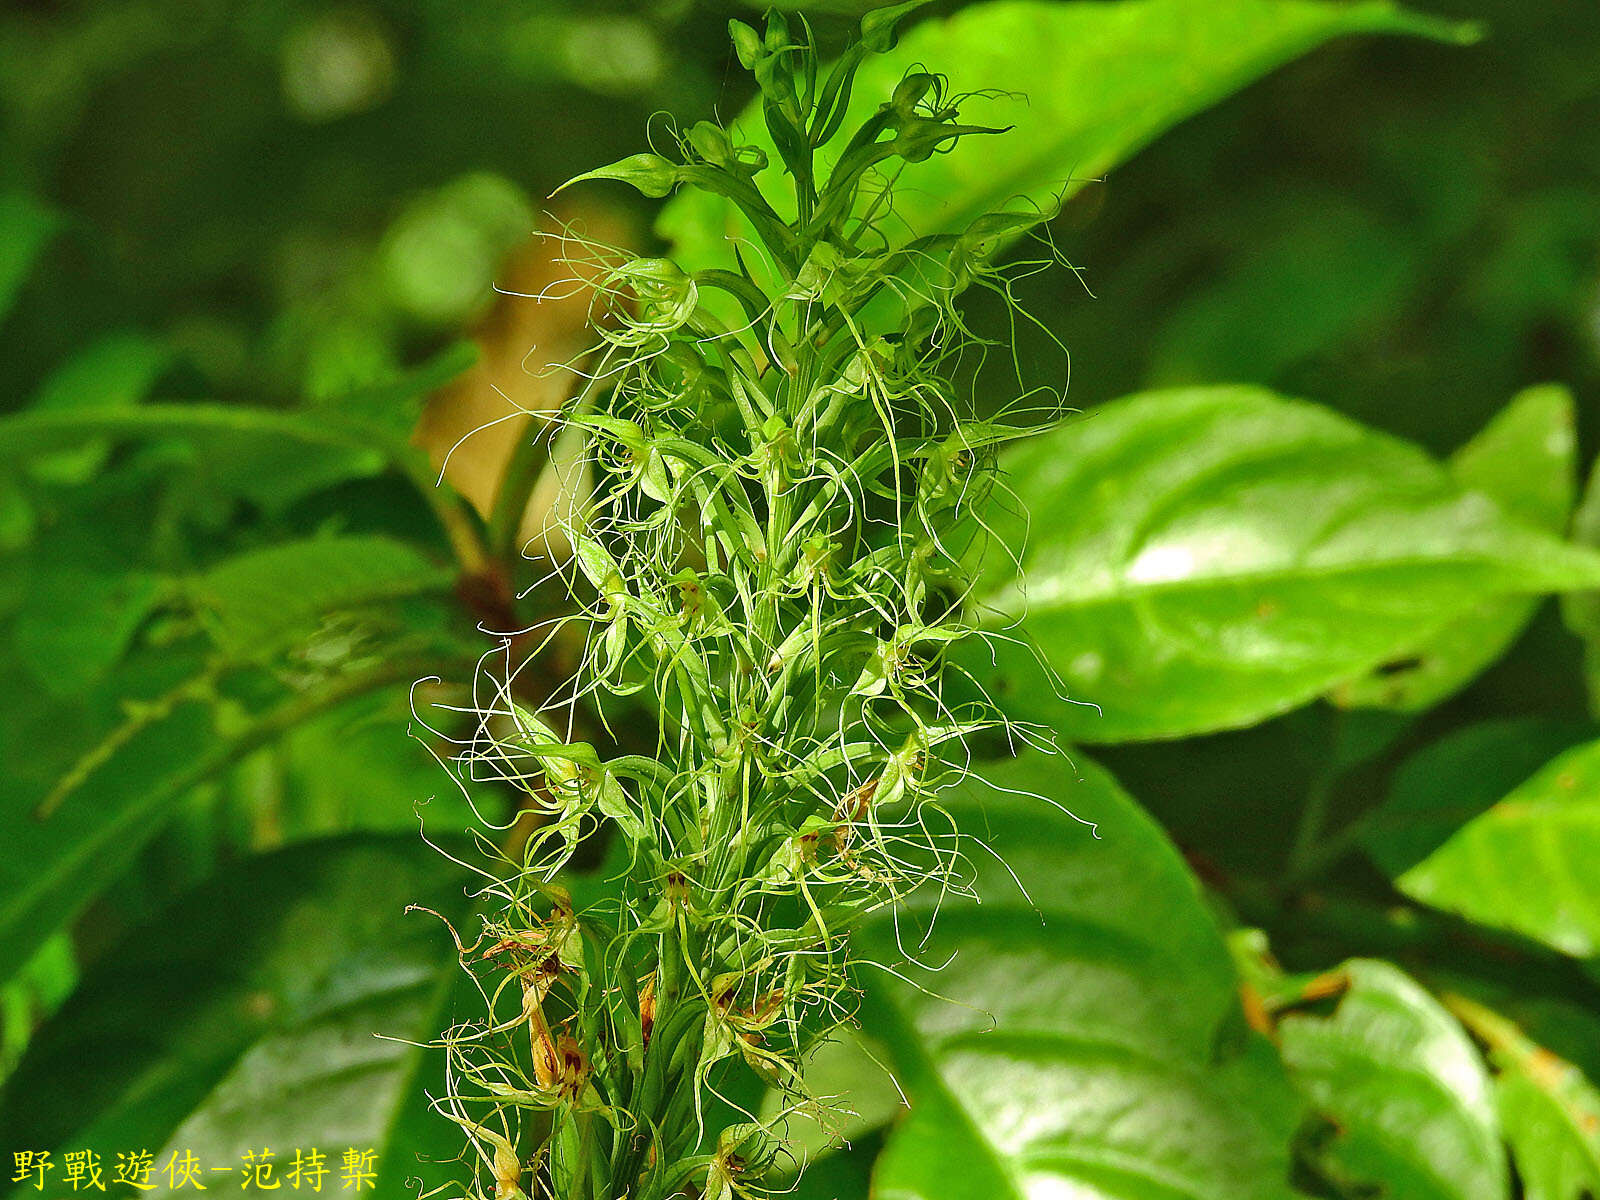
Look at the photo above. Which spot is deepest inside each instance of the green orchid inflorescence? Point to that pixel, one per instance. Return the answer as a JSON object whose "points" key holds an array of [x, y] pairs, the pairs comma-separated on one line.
{"points": [[772, 561]]}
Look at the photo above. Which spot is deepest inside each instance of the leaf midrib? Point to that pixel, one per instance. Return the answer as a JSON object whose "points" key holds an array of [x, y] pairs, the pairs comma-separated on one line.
{"points": [[997, 601]]}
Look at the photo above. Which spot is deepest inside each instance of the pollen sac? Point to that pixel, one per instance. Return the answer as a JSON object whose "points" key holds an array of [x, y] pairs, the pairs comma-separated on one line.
{"points": [[818, 554], [667, 297], [909, 93], [698, 604], [865, 364], [713, 145], [676, 889], [955, 472], [777, 451]]}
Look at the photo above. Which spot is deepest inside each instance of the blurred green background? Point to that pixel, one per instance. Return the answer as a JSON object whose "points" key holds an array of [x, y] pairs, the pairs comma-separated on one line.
{"points": [[295, 206]]}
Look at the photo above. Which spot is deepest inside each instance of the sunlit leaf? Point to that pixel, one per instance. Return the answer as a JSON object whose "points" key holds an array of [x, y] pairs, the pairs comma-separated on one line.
{"points": [[1549, 1112], [1527, 864], [1083, 1038], [1407, 1098], [1524, 460], [1200, 559]]}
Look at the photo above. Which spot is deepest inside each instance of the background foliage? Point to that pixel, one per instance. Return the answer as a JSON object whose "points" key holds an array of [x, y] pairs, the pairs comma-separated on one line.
{"points": [[1335, 332]]}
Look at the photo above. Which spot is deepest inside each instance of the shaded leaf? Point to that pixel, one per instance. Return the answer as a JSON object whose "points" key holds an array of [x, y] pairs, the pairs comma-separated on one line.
{"points": [[361, 767], [848, 1064], [27, 434], [1444, 785], [1203, 558], [115, 371], [26, 228], [1409, 1101], [62, 854], [1298, 288], [842, 1175], [1525, 461], [248, 1015], [1083, 1042], [53, 868], [393, 406], [256, 600], [1567, 1029], [75, 623], [1527, 864], [17, 524], [38, 990], [266, 455]]}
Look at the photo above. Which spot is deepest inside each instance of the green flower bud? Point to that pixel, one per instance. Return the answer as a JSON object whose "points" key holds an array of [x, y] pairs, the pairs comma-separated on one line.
{"points": [[649, 174]]}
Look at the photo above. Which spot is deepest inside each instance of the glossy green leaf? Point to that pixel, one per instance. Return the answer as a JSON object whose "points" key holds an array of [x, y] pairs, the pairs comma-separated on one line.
{"points": [[249, 1015], [1406, 1094], [1528, 863], [1524, 460], [1200, 559], [1083, 85], [254, 601], [26, 228], [1444, 785], [1085, 1038], [1551, 1117], [1549, 1112]]}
